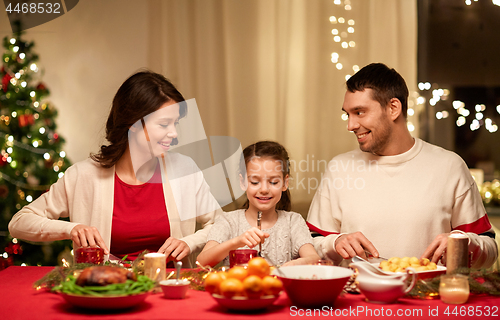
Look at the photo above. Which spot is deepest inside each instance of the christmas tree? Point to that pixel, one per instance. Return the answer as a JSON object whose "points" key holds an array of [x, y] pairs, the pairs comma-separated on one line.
{"points": [[31, 155]]}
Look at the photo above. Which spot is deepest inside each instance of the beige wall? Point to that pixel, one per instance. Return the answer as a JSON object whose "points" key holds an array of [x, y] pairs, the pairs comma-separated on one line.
{"points": [[258, 69]]}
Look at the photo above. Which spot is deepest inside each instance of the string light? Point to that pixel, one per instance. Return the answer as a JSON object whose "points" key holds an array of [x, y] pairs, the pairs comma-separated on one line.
{"points": [[341, 33], [474, 125], [461, 121], [459, 106], [495, 2]]}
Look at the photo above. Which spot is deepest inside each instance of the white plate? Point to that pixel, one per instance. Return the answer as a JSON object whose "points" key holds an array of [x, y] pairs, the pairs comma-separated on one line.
{"points": [[421, 274]]}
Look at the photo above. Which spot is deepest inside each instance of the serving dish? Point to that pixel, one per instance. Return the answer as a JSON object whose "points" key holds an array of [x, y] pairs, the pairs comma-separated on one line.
{"points": [[105, 302], [174, 289], [313, 286], [422, 275], [244, 303]]}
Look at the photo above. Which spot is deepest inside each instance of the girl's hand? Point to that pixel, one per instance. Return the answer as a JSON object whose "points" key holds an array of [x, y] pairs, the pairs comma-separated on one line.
{"points": [[292, 263], [252, 237], [85, 236], [175, 248]]}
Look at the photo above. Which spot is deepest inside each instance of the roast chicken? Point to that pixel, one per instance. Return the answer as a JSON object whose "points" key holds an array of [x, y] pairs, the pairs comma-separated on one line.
{"points": [[104, 275]]}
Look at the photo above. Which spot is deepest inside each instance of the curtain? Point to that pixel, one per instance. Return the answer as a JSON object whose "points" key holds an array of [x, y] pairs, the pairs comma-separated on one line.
{"points": [[262, 69]]}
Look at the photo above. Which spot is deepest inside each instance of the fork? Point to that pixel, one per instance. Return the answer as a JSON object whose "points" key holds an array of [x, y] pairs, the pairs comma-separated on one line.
{"points": [[259, 218]]}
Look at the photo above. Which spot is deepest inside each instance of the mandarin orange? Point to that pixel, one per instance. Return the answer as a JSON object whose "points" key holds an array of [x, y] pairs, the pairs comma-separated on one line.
{"points": [[259, 267], [212, 282], [253, 286], [239, 273], [271, 285], [231, 287]]}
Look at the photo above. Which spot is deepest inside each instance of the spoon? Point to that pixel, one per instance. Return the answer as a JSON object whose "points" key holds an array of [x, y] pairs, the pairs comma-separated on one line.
{"points": [[358, 259], [178, 266], [259, 218]]}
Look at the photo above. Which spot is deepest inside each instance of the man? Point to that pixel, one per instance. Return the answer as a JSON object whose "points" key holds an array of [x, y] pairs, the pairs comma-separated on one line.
{"points": [[397, 195]]}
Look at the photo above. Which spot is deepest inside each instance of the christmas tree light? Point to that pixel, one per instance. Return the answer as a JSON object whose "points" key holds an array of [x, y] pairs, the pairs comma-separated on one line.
{"points": [[31, 156]]}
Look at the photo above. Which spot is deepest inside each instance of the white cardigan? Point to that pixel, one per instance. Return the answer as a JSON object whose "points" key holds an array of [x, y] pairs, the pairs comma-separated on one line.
{"points": [[85, 194]]}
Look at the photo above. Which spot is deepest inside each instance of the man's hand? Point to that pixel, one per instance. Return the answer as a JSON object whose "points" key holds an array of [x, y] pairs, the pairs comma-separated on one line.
{"points": [[352, 244], [175, 248], [437, 249], [85, 236]]}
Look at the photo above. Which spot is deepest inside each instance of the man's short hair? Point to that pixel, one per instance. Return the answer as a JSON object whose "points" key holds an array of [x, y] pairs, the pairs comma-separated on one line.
{"points": [[385, 82]]}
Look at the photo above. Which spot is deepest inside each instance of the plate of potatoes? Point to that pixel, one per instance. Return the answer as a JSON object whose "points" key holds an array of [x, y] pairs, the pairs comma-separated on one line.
{"points": [[424, 268]]}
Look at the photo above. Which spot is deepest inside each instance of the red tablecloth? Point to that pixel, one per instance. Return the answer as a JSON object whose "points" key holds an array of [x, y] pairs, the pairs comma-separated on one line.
{"points": [[18, 300]]}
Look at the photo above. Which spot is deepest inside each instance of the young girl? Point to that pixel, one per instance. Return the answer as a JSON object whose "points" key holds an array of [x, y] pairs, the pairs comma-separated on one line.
{"points": [[284, 235]]}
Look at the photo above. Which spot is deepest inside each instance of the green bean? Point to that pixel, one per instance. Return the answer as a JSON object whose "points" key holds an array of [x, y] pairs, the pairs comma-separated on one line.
{"points": [[143, 284]]}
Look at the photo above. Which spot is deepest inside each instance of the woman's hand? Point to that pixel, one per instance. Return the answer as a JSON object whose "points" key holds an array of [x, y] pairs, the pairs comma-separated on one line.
{"points": [[251, 237], [175, 248], [85, 236]]}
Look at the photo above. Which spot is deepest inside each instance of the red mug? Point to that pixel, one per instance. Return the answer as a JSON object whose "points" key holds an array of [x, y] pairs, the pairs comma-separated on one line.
{"points": [[241, 256], [89, 255]]}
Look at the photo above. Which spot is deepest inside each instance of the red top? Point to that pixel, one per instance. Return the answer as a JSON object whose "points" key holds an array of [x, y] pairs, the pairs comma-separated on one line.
{"points": [[140, 219]]}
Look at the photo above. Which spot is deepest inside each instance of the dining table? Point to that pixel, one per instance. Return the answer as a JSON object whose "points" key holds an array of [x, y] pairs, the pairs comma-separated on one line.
{"points": [[20, 300]]}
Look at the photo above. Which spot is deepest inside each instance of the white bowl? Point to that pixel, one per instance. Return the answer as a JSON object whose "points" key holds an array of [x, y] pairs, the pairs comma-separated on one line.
{"points": [[313, 286], [173, 289]]}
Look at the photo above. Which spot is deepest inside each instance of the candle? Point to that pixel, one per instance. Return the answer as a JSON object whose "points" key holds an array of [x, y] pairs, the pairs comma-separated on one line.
{"points": [[93, 255], [457, 252], [155, 266], [240, 257], [454, 289]]}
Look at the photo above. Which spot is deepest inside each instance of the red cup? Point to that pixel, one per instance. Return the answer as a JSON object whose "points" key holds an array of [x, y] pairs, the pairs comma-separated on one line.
{"points": [[89, 255], [240, 257]]}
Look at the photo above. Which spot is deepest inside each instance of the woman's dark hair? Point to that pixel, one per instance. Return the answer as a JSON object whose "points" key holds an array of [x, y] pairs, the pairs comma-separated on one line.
{"points": [[385, 82], [140, 95], [275, 151]]}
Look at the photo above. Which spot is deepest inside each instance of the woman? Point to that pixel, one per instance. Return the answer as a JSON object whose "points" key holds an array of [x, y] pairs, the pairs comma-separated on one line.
{"points": [[120, 199]]}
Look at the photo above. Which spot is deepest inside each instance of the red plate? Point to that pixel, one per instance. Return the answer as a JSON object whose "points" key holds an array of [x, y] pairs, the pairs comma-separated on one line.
{"points": [[105, 303], [243, 303]]}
